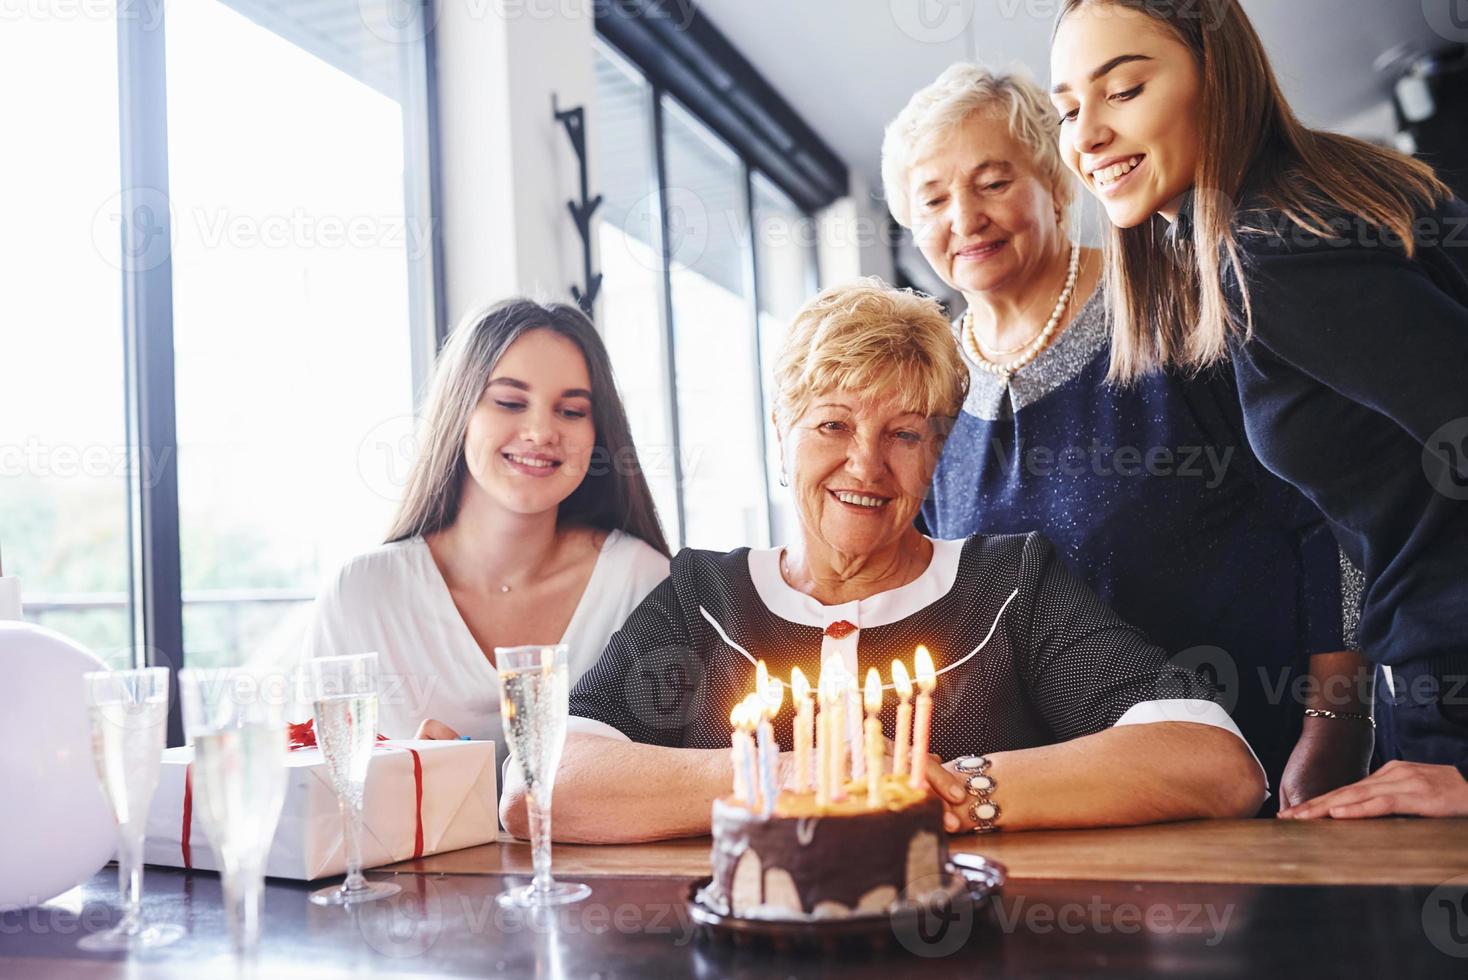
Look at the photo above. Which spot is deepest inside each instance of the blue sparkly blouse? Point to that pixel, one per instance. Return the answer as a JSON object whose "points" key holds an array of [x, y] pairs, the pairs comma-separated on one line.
{"points": [[1151, 494]]}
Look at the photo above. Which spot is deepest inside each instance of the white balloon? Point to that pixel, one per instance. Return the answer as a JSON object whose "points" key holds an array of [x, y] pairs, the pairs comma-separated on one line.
{"points": [[56, 830]]}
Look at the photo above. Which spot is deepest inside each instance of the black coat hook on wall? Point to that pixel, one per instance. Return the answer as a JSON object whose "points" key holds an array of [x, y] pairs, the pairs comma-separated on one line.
{"points": [[574, 120]]}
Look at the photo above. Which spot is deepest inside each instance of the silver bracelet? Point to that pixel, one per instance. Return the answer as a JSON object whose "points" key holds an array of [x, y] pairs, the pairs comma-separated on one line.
{"points": [[983, 811], [1339, 716]]}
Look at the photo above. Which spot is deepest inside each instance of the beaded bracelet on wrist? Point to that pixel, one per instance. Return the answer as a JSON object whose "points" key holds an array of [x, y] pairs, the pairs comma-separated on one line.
{"points": [[983, 811]]}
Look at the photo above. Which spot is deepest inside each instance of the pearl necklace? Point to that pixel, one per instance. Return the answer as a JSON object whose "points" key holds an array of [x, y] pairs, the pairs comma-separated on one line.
{"points": [[1035, 347]]}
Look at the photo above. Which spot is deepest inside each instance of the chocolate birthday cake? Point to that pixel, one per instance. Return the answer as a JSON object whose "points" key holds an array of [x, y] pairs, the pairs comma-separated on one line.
{"points": [[844, 859]]}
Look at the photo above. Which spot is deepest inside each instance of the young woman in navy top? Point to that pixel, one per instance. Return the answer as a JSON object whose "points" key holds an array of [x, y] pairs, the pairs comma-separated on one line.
{"points": [[1333, 276]]}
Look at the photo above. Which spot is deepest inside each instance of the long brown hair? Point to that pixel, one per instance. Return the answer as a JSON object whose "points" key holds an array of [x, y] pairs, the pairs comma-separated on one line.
{"points": [[1168, 303], [612, 496]]}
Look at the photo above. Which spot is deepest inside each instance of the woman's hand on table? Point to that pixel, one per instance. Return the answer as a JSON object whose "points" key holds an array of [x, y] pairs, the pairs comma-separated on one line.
{"points": [[945, 782], [953, 791], [1329, 755], [1332, 752], [1397, 788], [949, 786], [434, 730]]}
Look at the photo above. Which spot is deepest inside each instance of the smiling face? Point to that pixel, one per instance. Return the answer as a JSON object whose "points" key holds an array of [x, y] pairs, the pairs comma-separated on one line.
{"points": [[529, 440], [860, 468], [1128, 93], [983, 215]]}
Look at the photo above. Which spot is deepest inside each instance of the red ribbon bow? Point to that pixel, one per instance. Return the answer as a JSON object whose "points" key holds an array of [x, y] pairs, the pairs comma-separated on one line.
{"points": [[840, 629], [303, 736]]}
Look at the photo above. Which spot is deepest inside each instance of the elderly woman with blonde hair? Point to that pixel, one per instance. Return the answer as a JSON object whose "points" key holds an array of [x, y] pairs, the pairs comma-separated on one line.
{"points": [[1149, 492], [1081, 719]]}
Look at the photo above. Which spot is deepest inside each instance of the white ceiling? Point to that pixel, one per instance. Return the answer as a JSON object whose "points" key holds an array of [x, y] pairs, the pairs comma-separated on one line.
{"points": [[848, 73]]}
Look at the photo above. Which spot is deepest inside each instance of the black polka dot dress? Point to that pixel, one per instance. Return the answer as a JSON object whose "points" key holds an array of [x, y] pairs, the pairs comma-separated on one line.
{"points": [[1053, 663]]}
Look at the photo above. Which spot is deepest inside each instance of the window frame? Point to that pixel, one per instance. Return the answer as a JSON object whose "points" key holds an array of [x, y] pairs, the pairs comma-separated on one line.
{"points": [[155, 591], [659, 95]]}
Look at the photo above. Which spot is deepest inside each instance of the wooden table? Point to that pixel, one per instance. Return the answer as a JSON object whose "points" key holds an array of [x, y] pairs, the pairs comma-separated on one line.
{"points": [[1212, 899], [1261, 852]]}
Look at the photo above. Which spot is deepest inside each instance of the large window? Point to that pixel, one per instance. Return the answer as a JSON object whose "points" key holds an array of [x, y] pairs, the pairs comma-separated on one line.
{"points": [[284, 165], [291, 266], [716, 361], [785, 262], [705, 262], [63, 438], [629, 244]]}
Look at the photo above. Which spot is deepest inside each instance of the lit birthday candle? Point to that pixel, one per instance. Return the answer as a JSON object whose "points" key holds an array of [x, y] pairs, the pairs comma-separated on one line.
{"points": [[749, 716], [771, 696], [739, 752], [837, 733], [804, 719], [823, 741], [852, 707], [923, 725], [900, 749], [873, 701]]}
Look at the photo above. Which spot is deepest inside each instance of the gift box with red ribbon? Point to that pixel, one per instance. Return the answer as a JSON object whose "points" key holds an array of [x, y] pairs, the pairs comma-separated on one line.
{"points": [[422, 797]]}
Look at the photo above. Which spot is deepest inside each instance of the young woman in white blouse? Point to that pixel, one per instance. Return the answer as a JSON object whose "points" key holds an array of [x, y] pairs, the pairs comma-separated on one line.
{"points": [[526, 520]]}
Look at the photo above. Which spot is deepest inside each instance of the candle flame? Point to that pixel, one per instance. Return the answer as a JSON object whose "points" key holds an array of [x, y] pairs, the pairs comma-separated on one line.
{"points": [[832, 675], [825, 682], [753, 710], [873, 694], [927, 678], [769, 694], [799, 686], [900, 680], [736, 716], [767, 704]]}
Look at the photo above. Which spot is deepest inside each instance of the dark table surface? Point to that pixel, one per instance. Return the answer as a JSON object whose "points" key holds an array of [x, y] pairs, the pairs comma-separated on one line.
{"points": [[450, 925]]}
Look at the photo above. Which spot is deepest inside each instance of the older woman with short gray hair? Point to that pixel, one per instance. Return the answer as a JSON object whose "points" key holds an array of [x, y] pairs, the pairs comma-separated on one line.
{"points": [[1080, 718]]}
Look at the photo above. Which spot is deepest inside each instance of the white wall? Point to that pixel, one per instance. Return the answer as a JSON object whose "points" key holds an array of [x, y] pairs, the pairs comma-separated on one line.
{"points": [[853, 237], [508, 168]]}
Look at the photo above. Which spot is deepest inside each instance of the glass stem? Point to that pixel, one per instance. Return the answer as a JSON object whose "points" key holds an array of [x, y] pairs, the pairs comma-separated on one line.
{"points": [[351, 811], [244, 900], [540, 840], [130, 877]]}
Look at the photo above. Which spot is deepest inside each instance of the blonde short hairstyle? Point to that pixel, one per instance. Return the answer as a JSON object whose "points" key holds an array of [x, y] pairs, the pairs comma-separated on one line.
{"points": [[865, 336], [963, 90]]}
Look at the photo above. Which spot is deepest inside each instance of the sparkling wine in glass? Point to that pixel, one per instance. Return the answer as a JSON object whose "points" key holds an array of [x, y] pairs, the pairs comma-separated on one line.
{"points": [[128, 710], [535, 698], [344, 701], [237, 728]]}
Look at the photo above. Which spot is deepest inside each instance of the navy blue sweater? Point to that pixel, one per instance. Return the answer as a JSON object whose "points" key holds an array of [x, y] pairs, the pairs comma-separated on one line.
{"points": [[1354, 386], [1152, 496]]}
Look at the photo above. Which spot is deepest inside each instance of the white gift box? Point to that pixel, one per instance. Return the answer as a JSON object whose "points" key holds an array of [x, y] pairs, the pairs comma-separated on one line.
{"points": [[457, 810]]}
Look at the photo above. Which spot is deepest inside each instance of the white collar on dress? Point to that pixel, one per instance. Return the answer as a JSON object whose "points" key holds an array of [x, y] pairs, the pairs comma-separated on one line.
{"points": [[877, 610]]}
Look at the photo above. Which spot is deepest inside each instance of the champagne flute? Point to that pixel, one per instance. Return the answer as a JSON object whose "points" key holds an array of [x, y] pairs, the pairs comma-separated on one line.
{"points": [[239, 737], [344, 701], [128, 710], [535, 698]]}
